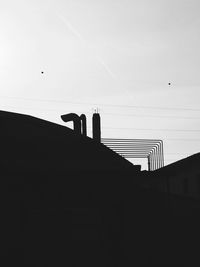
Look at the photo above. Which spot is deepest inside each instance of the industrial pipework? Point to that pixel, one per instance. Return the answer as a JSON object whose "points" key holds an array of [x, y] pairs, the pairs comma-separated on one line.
{"points": [[76, 121], [80, 124]]}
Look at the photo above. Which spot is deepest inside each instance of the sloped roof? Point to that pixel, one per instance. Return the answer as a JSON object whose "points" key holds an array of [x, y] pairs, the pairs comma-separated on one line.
{"points": [[27, 138], [189, 163]]}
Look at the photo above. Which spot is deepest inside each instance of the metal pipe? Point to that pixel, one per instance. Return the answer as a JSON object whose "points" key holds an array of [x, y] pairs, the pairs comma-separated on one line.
{"points": [[148, 162], [150, 148], [83, 124], [76, 121], [96, 127]]}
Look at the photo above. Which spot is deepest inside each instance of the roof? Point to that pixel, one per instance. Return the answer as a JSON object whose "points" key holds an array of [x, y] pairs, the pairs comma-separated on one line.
{"points": [[46, 145], [187, 164]]}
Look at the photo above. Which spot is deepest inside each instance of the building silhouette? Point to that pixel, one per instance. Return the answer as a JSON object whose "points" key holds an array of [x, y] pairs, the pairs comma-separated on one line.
{"points": [[180, 178], [73, 201]]}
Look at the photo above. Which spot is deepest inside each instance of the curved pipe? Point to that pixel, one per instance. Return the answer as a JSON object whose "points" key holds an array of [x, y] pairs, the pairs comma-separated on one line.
{"points": [[155, 152], [159, 157], [156, 156], [84, 124], [76, 121]]}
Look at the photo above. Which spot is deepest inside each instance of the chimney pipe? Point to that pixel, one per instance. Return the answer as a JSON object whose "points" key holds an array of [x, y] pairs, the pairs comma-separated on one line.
{"points": [[83, 124], [96, 127], [76, 121]]}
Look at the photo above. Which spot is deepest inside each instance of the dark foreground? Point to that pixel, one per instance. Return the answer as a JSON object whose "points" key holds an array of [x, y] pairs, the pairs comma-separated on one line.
{"points": [[99, 221]]}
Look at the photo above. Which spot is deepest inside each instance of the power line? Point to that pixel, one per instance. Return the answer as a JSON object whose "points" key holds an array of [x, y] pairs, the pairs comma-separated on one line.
{"points": [[150, 129], [182, 139], [183, 153], [178, 139], [99, 104], [105, 113], [150, 116], [41, 109]]}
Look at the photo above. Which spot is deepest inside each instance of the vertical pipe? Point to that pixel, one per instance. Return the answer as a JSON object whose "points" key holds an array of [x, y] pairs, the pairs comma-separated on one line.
{"points": [[162, 153], [148, 162], [154, 159], [96, 127], [160, 156], [83, 124], [157, 156]]}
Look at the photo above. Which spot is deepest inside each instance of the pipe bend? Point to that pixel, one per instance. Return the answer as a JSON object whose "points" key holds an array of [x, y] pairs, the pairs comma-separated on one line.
{"points": [[76, 120], [70, 117]]}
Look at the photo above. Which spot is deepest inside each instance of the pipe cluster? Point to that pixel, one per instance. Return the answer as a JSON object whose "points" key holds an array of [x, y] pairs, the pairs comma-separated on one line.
{"points": [[80, 124]]}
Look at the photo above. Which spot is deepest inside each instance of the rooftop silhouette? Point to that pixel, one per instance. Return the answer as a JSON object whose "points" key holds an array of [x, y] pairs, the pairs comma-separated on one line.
{"points": [[73, 201]]}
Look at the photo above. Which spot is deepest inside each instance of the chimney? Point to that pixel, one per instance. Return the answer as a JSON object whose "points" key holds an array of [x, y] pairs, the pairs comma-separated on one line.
{"points": [[96, 127]]}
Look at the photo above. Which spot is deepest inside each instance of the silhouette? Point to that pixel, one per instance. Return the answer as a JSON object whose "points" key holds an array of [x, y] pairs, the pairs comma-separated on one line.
{"points": [[84, 124], [179, 178], [59, 185], [96, 127], [73, 201], [80, 123], [76, 121]]}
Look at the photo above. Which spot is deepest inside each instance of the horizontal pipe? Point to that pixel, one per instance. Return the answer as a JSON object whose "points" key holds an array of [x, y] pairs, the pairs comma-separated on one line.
{"points": [[133, 148], [131, 140]]}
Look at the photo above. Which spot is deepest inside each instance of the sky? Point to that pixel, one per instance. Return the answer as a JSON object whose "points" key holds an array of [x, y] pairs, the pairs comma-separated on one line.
{"points": [[117, 56]]}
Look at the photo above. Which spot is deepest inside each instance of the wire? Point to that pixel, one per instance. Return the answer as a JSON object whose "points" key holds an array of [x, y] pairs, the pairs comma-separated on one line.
{"points": [[182, 139], [41, 109], [100, 104], [150, 116], [149, 129], [112, 114], [183, 153]]}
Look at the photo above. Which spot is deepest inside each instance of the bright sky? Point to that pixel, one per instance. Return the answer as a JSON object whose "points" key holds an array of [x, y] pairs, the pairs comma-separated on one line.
{"points": [[108, 54]]}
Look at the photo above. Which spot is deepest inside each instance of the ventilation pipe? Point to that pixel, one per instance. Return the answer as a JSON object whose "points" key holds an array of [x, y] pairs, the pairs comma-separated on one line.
{"points": [[76, 121], [96, 127], [83, 124]]}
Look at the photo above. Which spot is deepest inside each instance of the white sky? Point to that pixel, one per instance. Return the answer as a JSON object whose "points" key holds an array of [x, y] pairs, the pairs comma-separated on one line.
{"points": [[118, 52]]}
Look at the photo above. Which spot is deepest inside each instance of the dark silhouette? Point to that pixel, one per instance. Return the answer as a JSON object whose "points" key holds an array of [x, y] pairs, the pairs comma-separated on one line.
{"points": [[80, 123], [72, 201], [96, 127], [84, 124], [76, 121]]}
